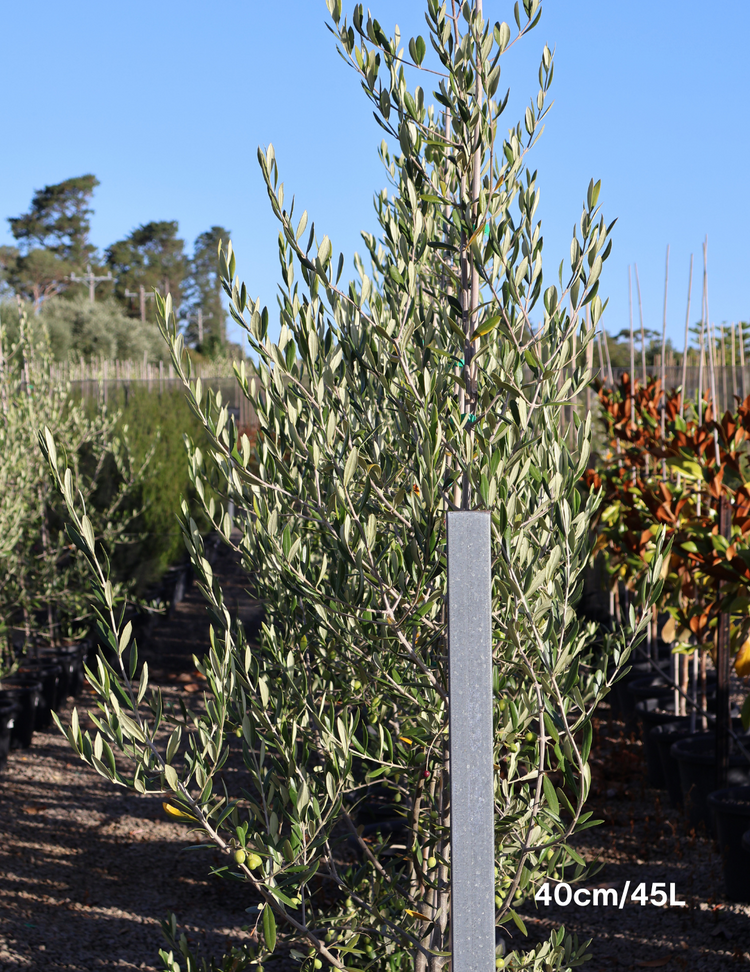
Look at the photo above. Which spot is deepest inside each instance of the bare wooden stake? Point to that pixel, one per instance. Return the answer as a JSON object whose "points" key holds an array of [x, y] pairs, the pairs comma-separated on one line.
{"points": [[643, 333], [711, 351], [723, 715], [664, 367], [687, 336]]}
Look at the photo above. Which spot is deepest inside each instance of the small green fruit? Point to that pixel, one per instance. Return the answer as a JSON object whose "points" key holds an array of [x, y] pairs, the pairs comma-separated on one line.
{"points": [[253, 861], [530, 737], [317, 964], [432, 862], [240, 856], [356, 685], [238, 732], [397, 798]]}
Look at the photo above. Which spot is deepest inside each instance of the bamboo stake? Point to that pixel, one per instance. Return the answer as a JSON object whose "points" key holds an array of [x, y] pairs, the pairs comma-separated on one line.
{"points": [[711, 353], [725, 404], [741, 338], [632, 360], [632, 348], [603, 335], [643, 333], [702, 359], [734, 367], [685, 353], [601, 356], [701, 365], [589, 359], [694, 693], [664, 367]]}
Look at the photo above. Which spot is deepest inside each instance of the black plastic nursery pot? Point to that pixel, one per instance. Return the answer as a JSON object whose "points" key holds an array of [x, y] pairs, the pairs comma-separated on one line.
{"points": [[48, 673], [79, 656], [621, 700], [650, 714], [663, 736], [70, 657], [28, 693], [652, 686], [696, 758], [746, 846], [731, 814], [9, 710]]}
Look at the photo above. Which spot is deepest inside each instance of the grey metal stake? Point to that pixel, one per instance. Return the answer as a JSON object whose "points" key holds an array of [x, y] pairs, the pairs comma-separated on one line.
{"points": [[471, 750]]}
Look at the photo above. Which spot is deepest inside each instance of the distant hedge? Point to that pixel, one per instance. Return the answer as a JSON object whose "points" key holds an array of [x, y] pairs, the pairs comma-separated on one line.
{"points": [[149, 418]]}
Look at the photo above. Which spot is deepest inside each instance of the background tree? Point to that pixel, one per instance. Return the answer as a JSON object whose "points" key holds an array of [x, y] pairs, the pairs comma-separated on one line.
{"points": [[152, 255], [8, 257], [53, 239], [203, 294]]}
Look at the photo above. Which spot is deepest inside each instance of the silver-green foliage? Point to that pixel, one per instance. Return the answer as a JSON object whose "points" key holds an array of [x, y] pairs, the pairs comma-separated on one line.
{"points": [[81, 329], [44, 587], [423, 386]]}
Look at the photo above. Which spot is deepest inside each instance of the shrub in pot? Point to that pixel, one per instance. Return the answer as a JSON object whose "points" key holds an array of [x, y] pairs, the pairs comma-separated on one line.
{"points": [[43, 582], [418, 388]]}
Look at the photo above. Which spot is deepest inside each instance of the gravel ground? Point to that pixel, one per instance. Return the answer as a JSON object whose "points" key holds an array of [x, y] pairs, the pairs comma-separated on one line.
{"points": [[87, 870], [642, 839]]}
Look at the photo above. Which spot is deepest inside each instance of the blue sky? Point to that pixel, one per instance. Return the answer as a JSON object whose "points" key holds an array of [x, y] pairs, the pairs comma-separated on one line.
{"points": [[166, 103]]}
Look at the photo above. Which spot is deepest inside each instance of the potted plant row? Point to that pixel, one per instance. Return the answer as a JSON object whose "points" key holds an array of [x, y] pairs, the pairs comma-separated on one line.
{"points": [[673, 465]]}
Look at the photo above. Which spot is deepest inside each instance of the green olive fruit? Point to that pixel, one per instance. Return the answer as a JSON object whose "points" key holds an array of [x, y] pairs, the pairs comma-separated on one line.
{"points": [[502, 705], [397, 798], [432, 862], [356, 685], [530, 736], [317, 964], [240, 856], [253, 861]]}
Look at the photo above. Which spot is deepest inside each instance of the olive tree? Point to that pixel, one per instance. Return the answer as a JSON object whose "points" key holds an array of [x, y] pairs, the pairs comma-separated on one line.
{"points": [[432, 382], [44, 586]]}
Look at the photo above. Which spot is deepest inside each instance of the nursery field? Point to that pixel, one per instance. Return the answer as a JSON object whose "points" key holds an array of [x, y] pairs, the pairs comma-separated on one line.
{"points": [[89, 871], [462, 681]]}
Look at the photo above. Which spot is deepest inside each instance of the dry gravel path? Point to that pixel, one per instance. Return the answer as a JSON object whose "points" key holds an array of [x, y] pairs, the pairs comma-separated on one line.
{"points": [[88, 870]]}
